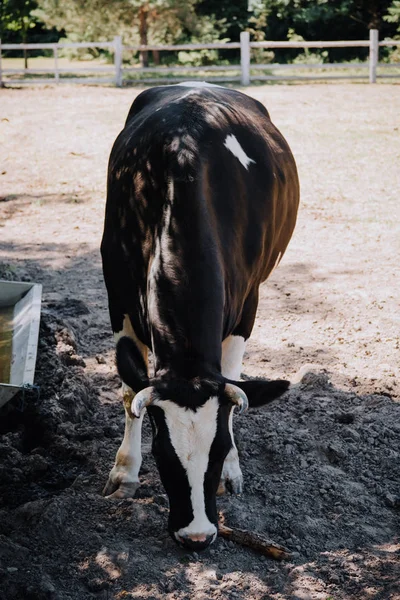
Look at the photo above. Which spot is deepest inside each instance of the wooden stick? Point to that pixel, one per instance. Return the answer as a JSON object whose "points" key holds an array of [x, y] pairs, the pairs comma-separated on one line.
{"points": [[253, 540]]}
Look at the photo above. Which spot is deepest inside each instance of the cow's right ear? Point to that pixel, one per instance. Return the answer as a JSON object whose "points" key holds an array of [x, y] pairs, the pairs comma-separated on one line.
{"points": [[130, 364]]}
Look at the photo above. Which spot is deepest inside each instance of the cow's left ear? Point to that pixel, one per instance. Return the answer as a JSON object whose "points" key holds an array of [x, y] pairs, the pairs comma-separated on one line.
{"points": [[260, 392]]}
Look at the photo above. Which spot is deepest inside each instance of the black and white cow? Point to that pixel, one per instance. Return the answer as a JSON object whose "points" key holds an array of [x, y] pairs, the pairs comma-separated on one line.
{"points": [[202, 201]]}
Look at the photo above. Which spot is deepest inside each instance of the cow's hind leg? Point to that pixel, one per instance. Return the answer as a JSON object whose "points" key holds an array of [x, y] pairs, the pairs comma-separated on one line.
{"points": [[232, 356], [123, 480]]}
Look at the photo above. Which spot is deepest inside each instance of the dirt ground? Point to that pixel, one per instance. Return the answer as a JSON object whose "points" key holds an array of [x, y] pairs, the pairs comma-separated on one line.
{"points": [[321, 465]]}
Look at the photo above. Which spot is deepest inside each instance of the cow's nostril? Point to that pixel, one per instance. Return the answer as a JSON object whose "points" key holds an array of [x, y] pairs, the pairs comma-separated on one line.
{"points": [[196, 541]]}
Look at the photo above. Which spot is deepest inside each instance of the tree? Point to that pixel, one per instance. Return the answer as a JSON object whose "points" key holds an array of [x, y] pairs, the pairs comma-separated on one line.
{"points": [[235, 15], [326, 20], [16, 15], [162, 21], [138, 21], [83, 20]]}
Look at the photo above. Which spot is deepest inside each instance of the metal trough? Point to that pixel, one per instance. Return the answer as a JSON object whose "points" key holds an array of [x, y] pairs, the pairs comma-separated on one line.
{"points": [[19, 332]]}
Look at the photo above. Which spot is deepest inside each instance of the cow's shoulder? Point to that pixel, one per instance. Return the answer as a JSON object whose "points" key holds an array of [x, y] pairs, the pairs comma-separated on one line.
{"points": [[145, 101]]}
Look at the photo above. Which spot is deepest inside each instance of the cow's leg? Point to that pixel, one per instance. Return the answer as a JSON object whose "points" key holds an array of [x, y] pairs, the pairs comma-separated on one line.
{"points": [[123, 480], [231, 363], [232, 356]]}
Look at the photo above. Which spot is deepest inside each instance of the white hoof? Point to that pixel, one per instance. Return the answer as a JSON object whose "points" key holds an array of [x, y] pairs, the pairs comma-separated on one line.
{"points": [[231, 477]]}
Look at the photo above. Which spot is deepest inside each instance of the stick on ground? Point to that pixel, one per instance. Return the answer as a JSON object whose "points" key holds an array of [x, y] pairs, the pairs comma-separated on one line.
{"points": [[255, 541]]}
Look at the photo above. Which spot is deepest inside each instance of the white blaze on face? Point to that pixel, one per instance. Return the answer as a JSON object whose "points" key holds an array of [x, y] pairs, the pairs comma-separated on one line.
{"points": [[233, 146], [192, 434]]}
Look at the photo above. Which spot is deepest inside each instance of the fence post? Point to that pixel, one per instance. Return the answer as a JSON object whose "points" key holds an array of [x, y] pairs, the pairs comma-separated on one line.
{"points": [[1, 73], [118, 60], [245, 57], [56, 71], [373, 54]]}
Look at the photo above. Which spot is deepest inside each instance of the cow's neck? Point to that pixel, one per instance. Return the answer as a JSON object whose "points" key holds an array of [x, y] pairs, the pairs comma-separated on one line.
{"points": [[185, 331], [185, 296]]}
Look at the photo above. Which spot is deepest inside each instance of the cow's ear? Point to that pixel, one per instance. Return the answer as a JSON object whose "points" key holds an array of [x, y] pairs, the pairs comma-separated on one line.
{"points": [[260, 392], [130, 364]]}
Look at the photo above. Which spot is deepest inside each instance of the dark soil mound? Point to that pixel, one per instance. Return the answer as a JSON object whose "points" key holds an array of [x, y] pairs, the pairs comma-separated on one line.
{"points": [[322, 469]]}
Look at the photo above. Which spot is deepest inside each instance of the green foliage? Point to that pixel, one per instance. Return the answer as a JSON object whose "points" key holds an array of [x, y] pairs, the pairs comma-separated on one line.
{"points": [[234, 14], [327, 19], [16, 16], [138, 21], [306, 56], [82, 20], [206, 30], [393, 14], [185, 21], [159, 21]]}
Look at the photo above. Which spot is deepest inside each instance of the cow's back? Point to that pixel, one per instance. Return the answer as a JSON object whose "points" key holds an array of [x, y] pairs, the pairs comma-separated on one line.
{"points": [[203, 173]]}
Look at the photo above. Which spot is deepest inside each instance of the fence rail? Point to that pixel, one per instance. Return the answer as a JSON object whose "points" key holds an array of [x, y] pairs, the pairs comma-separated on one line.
{"points": [[302, 44], [174, 48], [58, 45], [245, 72]]}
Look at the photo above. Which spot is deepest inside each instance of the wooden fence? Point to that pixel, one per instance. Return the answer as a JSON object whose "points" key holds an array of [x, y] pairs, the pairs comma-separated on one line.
{"points": [[245, 72]]}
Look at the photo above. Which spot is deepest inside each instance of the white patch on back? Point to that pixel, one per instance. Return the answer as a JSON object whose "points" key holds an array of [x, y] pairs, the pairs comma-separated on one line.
{"points": [[233, 145], [233, 348], [198, 84], [192, 434]]}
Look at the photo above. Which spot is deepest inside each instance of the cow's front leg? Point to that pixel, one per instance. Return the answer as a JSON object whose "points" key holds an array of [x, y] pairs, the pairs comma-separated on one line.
{"points": [[232, 356], [123, 480], [231, 476]]}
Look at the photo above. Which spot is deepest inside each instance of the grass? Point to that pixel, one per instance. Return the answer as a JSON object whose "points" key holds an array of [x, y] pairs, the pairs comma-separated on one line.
{"points": [[43, 62], [47, 62]]}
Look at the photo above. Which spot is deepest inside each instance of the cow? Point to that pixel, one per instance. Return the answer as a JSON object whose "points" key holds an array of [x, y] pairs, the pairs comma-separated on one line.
{"points": [[202, 199]]}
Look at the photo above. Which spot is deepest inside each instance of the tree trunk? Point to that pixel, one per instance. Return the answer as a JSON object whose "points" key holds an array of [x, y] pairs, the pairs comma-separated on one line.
{"points": [[143, 31], [156, 57], [24, 41], [375, 12]]}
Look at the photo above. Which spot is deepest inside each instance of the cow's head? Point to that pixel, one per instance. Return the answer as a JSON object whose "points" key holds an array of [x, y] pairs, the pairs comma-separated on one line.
{"points": [[191, 423]]}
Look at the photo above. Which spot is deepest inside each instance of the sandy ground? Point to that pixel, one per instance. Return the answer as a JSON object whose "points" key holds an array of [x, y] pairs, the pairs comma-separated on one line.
{"points": [[331, 496]]}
